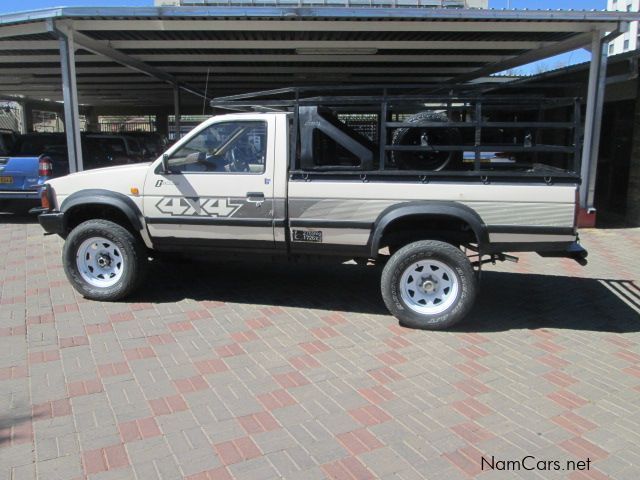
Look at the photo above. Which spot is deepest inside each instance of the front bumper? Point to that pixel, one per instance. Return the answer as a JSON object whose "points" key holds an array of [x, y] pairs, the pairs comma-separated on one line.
{"points": [[52, 223]]}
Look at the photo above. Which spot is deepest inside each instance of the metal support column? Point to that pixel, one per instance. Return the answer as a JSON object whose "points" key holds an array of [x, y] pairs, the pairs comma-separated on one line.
{"points": [[26, 117], [176, 106], [162, 123], [593, 122], [93, 120], [70, 96]]}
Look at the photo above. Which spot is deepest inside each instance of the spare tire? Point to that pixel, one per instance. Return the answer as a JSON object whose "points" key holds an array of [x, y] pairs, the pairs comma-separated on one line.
{"points": [[429, 160]]}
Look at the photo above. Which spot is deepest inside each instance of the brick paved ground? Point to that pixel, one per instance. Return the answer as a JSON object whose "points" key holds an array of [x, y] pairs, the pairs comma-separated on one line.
{"points": [[216, 372]]}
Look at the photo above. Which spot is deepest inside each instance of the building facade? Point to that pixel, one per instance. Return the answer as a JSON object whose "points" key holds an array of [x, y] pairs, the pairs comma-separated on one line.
{"points": [[628, 41]]}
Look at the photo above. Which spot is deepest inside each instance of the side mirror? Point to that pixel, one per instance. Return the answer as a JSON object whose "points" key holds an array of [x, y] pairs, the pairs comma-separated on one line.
{"points": [[165, 163]]}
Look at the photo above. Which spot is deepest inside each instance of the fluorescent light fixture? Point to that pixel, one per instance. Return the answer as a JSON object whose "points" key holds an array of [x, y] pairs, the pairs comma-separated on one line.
{"points": [[336, 51]]}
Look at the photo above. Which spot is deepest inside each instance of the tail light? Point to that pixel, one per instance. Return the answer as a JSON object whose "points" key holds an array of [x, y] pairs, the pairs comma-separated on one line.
{"points": [[45, 166]]}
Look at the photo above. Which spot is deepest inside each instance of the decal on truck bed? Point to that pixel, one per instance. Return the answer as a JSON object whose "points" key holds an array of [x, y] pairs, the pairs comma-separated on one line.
{"points": [[198, 206]]}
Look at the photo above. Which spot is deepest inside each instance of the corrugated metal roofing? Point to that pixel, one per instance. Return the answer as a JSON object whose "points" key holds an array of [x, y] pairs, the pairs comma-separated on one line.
{"points": [[253, 48]]}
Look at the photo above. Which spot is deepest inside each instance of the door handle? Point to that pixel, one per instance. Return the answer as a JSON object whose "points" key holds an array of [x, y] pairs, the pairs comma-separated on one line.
{"points": [[255, 197]]}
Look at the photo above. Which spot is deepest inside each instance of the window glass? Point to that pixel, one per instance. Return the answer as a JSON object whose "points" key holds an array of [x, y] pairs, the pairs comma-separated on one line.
{"points": [[227, 147], [37, 144]]}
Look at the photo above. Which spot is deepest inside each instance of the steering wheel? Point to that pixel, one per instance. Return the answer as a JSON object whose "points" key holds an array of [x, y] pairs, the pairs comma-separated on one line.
{"points": [[239, 162]]}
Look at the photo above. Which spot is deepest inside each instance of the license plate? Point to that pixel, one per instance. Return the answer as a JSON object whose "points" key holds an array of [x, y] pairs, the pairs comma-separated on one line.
{"points": [[6, 179]]}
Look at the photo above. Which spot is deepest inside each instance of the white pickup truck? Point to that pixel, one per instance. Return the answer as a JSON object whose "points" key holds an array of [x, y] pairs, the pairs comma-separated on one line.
{"points": [[306, 184]]}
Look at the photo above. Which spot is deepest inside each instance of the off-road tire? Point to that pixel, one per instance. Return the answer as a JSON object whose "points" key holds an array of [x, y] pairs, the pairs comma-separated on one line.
{"points": [[442, 252], [437, 161], [133, 252]]}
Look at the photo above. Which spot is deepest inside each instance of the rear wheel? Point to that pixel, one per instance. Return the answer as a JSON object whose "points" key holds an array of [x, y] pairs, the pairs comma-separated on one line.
{"points": [[103, 260], [429, 285]]}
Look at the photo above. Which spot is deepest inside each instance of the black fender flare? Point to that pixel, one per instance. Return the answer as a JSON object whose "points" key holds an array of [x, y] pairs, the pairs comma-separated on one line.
{"points": [[431, 208], [108, 198]]}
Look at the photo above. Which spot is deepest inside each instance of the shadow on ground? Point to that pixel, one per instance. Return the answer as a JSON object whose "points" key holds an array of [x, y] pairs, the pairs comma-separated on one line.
{"points": [[7, 422], [506, 300], [22, 218]]}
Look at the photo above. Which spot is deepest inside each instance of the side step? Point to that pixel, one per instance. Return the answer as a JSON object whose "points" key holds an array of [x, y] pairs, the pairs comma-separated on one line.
{"points": [[575, 251]]}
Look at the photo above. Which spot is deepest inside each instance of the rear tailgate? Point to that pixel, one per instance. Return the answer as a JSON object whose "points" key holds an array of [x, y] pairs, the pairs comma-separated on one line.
{"points": [[18, 173]]}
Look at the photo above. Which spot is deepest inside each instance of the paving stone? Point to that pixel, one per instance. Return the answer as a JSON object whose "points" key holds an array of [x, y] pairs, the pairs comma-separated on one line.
{"points": [[546, 364]]}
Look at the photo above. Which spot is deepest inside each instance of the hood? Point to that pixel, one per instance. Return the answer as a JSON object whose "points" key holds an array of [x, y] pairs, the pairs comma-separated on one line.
{"points": [[118, 179]]}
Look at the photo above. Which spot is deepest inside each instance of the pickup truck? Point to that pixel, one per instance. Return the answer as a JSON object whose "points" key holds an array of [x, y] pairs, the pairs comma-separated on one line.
{"points": [[246, 183]]}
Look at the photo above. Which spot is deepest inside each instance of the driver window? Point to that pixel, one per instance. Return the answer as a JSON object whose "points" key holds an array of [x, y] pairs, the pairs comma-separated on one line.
{"points": [[226, 147]]}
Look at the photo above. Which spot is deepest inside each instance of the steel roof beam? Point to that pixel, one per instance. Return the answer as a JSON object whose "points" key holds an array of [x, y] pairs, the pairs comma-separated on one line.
{"points": [[292, 13], [100, 48], [7, 31], [114, 45], [578, 41], [286, 25], [189, 59], [227, 81], [53, 77]]}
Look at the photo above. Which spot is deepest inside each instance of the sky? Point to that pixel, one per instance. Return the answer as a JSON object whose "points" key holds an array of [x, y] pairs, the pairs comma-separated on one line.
{"points": [[8, 6]]}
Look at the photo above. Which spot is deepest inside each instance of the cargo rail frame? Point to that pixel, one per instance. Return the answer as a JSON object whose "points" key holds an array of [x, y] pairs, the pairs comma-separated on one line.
{"points": [[382, 100]]}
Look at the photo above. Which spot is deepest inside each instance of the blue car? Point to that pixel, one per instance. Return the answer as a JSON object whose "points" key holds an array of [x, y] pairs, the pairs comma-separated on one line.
{"points": [[29, 162]]}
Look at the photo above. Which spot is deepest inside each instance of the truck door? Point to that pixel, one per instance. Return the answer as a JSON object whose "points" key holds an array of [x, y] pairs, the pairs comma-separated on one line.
{"points": [[218, 192]]}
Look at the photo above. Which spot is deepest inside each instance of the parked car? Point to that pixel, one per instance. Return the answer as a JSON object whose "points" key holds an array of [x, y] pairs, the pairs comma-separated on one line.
{"points": [[154, 143], [7, 140], [33, 159], [123, 148], [30, 160]]}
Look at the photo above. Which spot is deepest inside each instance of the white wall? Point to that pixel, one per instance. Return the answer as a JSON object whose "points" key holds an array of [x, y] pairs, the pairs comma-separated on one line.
{"points": [[627, 41]]}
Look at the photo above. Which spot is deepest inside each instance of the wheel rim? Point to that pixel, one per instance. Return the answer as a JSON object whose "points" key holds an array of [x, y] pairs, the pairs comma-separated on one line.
{"points": [[100, 262], [429, 287]]}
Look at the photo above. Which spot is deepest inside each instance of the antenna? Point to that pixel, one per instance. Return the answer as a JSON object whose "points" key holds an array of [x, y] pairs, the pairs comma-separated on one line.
{"points": [[206, 88]]}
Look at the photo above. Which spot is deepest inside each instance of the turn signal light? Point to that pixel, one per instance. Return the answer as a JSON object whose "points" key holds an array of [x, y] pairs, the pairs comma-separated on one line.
{"points": [[44, 198], [135, 191]]}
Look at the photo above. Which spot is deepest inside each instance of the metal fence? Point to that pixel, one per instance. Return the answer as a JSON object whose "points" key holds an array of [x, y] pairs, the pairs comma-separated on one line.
{"points": [[123, 127]]}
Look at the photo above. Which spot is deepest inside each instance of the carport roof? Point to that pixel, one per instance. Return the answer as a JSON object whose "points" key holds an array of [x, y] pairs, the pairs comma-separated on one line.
{"points": [[133, 56]]}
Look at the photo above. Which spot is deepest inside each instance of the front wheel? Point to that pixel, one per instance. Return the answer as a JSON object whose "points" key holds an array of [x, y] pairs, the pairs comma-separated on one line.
{"points": [[428, 285], [103, 260]]}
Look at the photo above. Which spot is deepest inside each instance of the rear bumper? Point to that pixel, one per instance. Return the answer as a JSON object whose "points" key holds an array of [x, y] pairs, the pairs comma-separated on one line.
{"points": [[19, 195], [52, 223]]}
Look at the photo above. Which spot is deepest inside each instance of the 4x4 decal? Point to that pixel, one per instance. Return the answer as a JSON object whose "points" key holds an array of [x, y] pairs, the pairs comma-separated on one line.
{"points": [[198, 206]]}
